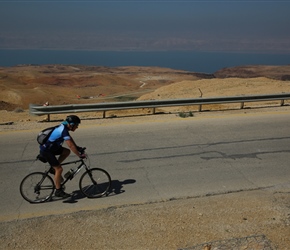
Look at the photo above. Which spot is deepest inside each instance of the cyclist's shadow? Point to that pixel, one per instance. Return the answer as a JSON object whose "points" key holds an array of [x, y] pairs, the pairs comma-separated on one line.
{"points": [[116, 188]]}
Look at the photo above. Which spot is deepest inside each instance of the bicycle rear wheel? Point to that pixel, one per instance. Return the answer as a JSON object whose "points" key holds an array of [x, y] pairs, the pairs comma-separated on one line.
{"points": [[37, 187], [95, 183]]}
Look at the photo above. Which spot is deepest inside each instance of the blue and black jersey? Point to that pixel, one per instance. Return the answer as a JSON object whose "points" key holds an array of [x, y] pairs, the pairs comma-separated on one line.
{"points": [[56, 139]]}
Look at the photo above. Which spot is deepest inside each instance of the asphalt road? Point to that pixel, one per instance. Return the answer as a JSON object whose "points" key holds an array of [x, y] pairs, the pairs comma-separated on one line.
{"points": [[158, 161]]}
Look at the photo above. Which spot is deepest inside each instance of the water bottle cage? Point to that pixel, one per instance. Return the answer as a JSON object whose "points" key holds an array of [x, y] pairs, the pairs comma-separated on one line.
{"points": [[69, 174]]}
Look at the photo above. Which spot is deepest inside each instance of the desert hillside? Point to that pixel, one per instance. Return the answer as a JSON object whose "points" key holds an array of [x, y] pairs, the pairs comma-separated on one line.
{"points": [[67, 84], [251, 71], [64, 84]]}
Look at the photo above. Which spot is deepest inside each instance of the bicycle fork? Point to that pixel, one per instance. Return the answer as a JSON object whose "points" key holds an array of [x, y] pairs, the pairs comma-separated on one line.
{"points": [[91, 177]]}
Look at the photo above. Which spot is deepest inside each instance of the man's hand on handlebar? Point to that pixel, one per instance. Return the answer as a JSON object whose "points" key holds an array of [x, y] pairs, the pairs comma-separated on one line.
{"points": [[81, 149], [82, 152], [83, 156]]}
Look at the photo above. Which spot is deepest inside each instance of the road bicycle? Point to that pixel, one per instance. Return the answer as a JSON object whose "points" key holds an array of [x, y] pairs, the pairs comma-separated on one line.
{"points": [[38, 187]]}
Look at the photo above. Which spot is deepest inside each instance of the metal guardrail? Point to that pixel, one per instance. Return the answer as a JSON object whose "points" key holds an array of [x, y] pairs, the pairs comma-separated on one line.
{"points": [[75, 108]]}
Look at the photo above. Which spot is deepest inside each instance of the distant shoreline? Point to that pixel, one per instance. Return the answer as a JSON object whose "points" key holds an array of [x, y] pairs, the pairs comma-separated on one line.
{"points": [[193, 61], [159, 50]]}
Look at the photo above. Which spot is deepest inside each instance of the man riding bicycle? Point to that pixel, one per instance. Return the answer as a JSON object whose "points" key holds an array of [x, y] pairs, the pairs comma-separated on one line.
{"points": [[53, 147]]}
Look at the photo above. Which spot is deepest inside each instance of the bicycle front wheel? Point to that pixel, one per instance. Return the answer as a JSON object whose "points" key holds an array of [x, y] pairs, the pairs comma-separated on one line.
{"points": [[95, 183], [37, 187]]}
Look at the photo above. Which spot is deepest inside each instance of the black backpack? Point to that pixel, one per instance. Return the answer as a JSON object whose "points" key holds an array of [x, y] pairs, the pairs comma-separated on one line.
{"points": [[43, 135]]}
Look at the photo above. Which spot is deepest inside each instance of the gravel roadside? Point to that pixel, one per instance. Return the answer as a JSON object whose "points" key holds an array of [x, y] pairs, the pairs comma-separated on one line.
{"points": [[177, 224]]}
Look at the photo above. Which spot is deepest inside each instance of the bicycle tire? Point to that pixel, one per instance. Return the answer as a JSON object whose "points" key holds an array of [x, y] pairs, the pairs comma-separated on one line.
{"points": [[37, 187], [95, 183]]}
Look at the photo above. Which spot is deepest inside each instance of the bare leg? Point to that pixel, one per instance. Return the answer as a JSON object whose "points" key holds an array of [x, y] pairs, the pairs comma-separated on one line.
{"points": [[57, 176], [57, 179], [65, 153]]}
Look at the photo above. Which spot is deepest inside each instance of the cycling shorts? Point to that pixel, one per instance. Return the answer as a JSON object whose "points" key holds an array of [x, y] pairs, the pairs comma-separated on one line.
{"points": [[51, 156]]}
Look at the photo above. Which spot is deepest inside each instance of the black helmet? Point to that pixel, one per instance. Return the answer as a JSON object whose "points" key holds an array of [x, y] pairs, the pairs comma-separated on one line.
{"points": [[73, 119]]}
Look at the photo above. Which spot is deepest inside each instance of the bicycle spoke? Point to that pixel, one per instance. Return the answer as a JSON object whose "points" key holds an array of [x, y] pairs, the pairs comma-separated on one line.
{"points": [[37, 187], [95, 183]]}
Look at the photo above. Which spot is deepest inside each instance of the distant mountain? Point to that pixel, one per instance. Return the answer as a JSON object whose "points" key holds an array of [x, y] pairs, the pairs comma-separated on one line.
{"points": [[250, 71]]}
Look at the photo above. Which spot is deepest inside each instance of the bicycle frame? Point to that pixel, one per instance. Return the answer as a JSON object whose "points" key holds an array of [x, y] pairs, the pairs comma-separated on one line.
{"points": [[76, 171]]}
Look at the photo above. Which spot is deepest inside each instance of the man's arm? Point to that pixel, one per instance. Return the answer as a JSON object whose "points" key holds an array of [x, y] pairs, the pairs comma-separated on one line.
{"points": [[73, 146]]}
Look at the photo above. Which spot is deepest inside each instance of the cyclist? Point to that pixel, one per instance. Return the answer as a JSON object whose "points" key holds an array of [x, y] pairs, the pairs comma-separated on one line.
{"points": [[53, 147]]}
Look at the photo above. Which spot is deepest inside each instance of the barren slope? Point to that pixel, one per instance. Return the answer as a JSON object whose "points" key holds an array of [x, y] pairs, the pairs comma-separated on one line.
{"points": [[64, 84]]}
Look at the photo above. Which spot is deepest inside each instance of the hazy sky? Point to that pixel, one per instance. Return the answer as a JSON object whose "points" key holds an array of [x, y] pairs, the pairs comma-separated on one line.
{"points": [[146, 25]]}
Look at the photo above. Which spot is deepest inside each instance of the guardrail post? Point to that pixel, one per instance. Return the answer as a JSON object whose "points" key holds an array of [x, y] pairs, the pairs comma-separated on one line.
{"points": [[242, 105], [104, 114], [199, 108], [153, 111], [282, 102]]}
